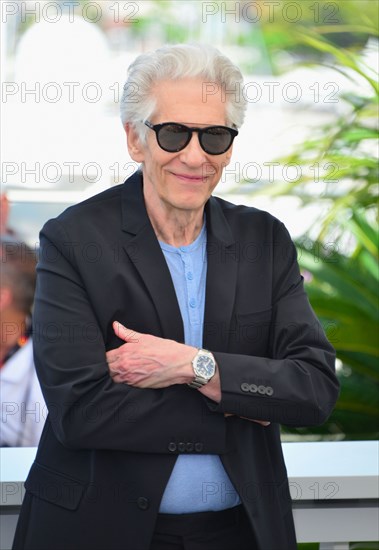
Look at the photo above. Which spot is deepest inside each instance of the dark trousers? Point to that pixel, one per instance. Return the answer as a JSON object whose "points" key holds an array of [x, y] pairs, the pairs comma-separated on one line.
{"points": [[225, 530]]}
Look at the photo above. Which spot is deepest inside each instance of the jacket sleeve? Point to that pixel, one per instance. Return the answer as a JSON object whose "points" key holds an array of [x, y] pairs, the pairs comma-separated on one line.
{"points": [[87, 410], [296, 385]]}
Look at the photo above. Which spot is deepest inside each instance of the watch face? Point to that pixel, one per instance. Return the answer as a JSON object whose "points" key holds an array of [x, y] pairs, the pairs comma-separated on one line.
{"points": [[204, 366]]}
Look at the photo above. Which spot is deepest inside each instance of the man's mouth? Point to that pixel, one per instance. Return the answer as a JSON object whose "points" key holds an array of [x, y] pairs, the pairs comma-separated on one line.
{"points": [[198, 178], [195, 178]]}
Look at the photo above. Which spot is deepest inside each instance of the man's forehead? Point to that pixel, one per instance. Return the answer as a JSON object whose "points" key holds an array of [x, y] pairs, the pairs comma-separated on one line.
{"points": [[185, 102]]}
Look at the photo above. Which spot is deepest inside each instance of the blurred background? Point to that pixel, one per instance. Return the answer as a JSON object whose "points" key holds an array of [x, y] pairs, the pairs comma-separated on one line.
{"points": [[307, 152]]}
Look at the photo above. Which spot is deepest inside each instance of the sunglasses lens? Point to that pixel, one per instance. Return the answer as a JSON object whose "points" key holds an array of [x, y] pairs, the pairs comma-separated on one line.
{"points": [[216, 140], [173, 137]]}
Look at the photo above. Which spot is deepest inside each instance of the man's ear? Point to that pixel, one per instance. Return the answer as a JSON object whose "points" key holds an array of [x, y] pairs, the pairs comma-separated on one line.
{"points": [[134, 144]]}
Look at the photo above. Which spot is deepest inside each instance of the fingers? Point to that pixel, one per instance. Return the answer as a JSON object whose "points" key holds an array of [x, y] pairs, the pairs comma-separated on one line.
{"points": [[111, 357], [124, 333], [261, 422], [116, 366]]}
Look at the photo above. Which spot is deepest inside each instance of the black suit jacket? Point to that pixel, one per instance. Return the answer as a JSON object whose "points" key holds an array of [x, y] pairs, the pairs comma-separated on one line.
{"points": [[108, 449]]}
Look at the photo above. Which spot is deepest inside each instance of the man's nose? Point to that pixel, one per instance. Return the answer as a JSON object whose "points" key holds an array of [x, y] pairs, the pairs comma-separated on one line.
{"points": [[193, 154]]}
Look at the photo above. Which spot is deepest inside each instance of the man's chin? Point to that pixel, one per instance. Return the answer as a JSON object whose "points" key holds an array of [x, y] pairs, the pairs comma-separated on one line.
{"points": [[191, 199]]}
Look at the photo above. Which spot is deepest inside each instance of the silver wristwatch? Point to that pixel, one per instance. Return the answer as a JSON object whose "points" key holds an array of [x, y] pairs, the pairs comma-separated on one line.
{"points": [[204, 367]]}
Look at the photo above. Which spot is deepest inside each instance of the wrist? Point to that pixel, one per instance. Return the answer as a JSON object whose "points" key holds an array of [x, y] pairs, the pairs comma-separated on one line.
{"points": [[185, 370]]}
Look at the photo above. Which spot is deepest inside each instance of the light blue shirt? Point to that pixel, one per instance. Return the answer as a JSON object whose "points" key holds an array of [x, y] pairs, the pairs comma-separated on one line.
{"points": [[198, 483]]}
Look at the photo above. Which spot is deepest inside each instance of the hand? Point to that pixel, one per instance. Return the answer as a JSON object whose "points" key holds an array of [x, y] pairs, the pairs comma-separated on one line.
{"points": [[262, 422], [147, 361]]}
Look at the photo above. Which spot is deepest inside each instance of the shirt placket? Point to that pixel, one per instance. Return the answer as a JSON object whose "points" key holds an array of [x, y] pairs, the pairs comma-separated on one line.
{"points": [[192, 291]]}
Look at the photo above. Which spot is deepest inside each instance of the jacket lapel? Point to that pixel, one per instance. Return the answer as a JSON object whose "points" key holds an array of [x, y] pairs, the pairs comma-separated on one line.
{"points": [[142, 247], [221, 278]]}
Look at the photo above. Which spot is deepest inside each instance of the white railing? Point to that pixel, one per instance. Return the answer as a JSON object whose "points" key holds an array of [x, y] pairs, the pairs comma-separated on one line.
{"points": [[335, 491], [334, 488]]}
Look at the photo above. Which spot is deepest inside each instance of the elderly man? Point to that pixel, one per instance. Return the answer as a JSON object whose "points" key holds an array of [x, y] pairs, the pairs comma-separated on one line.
{"points": [[175, 354]]}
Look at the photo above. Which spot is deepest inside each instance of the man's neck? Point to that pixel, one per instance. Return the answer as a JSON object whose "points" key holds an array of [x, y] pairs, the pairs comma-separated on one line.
{"points": [[173, 226]]}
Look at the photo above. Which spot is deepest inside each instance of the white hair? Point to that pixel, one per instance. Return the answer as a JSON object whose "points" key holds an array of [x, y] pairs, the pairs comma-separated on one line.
{"points": [[174, 62]]}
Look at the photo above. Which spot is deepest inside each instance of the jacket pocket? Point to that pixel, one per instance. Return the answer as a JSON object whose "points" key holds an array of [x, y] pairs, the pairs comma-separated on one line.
{"points": [[54, 487]]}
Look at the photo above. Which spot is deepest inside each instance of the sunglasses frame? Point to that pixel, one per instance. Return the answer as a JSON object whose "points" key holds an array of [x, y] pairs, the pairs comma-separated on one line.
{"points": [[190, 129]]}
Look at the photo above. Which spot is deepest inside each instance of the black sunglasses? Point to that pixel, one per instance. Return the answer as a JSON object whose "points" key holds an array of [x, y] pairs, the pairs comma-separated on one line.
{"points": [[173, 137]]}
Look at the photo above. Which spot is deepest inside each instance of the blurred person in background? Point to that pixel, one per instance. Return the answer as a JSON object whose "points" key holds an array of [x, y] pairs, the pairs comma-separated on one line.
{"points": [[4, 214], [22, 403], [184, 338], [5, 230]]}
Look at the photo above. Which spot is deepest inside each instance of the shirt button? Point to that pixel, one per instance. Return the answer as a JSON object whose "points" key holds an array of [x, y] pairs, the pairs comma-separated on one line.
{"points": [[182, 249], [190, 275], [143, 503], [192, 302]]}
